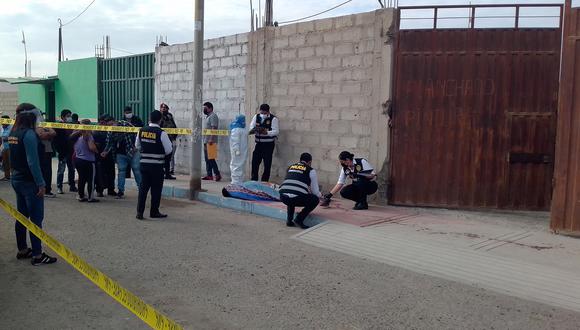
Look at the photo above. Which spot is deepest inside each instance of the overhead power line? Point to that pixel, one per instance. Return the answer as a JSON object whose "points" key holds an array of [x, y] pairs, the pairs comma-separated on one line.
{"points": [[322, 12], [79, 15], [122, 51]]}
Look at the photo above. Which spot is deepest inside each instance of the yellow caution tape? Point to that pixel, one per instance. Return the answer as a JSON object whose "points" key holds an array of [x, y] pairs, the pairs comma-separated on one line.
{"points": [[122, 129], [144, 311], [224, 132]]}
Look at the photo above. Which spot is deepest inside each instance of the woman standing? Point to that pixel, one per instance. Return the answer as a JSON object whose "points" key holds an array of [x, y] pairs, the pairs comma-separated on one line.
{"points": [[85, 155], [27, 181]]}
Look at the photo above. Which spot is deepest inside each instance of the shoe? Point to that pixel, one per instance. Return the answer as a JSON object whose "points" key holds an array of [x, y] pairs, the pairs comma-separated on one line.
{"points": [[82, 199], [100, 194], [59, 191], [158, 215], [139, 217], [300, 223], [218, 178], [207, 178], [49, 195], [290, 223], [171, 172], [92, 200], [112, 193], [44, 259], [169, 177], [361, 206], [24, 254], [73, 189], [120, 195]]}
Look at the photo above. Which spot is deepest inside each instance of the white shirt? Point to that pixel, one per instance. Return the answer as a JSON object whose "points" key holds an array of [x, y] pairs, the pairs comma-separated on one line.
{"points": [[366, 166], [167, 146], [275, 126]]}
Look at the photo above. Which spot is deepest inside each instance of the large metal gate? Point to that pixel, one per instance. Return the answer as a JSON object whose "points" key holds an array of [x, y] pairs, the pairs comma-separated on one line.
{"points": [[127, 81], [474, 114]]}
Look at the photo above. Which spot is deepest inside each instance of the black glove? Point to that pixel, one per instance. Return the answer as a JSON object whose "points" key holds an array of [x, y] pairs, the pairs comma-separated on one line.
{"points": [[328, 196], [326, 199]]}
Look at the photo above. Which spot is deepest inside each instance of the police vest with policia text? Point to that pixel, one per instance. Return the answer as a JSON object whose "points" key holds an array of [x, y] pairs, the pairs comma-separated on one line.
{"points": [[267, 124], [358, 169], [297, 180], [152, 151]]}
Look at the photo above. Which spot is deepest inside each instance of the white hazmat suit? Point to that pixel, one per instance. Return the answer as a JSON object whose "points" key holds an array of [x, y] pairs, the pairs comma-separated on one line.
{"points": [[238, 149]]}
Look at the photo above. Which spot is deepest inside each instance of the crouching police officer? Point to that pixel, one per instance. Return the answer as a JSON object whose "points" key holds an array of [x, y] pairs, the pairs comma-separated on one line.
{"points": [[363, 184], [300, 188], [155, 147]]}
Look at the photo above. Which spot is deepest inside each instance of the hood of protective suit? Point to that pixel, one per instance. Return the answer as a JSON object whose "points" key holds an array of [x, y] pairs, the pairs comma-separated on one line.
{"points": [[239, 122]]}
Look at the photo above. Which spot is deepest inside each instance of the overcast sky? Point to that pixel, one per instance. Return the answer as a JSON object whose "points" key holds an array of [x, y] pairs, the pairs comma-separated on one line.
{"points": [[133, 25]]}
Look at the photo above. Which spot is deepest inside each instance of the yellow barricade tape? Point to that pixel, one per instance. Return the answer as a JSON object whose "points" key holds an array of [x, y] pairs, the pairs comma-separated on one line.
{"points": [[144, 311], [122, 129]]}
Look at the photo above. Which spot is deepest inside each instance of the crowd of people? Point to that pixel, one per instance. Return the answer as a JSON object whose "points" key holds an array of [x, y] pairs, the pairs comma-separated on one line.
{"points": [[28, 150]]}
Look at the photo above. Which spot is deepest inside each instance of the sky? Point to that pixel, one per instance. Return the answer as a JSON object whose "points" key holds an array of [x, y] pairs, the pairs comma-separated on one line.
{"points": [[133, 25]]}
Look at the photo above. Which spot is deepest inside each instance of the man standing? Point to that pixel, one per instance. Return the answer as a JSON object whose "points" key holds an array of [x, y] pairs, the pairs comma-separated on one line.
{"points": [[265, 128], [105, 166], [46, 136], [6, 128], [132, 118], [363, 181], [300, 188], [155, 147], [167, 121], [64, 148], [121, 146], [210, 143]]}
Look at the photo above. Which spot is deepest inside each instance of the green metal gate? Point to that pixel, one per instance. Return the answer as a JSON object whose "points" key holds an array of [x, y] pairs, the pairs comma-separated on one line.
{"points": [[128, 81]]}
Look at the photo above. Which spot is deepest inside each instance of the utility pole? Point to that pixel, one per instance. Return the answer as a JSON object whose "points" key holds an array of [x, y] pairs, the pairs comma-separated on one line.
{"points": [[269, 12], [25, 56], [195, 166], [59, 40]]}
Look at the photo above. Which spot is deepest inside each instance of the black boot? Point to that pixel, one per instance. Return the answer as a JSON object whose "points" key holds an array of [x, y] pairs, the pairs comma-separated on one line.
{"points": [[290, 223], [300, 223]]}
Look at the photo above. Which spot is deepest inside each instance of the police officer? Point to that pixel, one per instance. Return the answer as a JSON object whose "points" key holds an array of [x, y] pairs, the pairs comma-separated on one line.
{"points": [[155, 147], [300, 188], [363, 181], [265, 128]]}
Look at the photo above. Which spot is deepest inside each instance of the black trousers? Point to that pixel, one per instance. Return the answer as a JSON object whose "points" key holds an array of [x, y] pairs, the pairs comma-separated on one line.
{"points": [[86, 172], [308, 202], [105, 176], [359, 190], [211, 165], [151, 178], [46, 169], [263, 151]]}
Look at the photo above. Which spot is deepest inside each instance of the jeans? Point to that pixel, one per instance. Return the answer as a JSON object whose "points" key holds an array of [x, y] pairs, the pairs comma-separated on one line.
{"points": [[123, 162], [65, 163], [211, 165], [263, 151], [32, 207], [6, 163]]}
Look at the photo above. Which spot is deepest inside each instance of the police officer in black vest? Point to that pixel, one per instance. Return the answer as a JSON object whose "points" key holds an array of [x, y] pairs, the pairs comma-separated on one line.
{"points": [[363, 181], [265, 128], [300, 188], [155, 147]]}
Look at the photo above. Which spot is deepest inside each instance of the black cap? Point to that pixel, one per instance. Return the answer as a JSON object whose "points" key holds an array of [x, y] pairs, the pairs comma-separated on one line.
{"points": [[306, 157]]}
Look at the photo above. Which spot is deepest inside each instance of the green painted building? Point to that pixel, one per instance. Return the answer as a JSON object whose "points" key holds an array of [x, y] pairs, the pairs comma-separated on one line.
{"points": [[93, 86]]}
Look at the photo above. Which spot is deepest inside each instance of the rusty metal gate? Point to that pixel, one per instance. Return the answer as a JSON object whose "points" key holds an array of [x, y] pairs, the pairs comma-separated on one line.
{"points": [[475, 113]]}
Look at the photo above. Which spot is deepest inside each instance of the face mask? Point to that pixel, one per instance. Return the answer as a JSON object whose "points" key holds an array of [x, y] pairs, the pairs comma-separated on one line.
{"points": [[263, 116], [128, 115], [68, 119]]}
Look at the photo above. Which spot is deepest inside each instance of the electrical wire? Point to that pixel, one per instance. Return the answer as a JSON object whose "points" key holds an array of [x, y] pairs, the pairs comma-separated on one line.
{"points": [[123, 51], [79, 15], [322, 12]]}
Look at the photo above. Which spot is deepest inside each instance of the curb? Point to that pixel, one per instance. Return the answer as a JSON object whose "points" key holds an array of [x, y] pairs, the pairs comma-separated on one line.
{"points": [[232, 204]]}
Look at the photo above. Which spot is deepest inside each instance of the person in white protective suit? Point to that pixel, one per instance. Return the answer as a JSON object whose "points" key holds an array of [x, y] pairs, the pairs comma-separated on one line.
{"points": [[238, 149]]}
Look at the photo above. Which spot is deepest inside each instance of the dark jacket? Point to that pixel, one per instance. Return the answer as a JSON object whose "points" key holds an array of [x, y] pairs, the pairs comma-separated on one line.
{"points": [[167, 121]]}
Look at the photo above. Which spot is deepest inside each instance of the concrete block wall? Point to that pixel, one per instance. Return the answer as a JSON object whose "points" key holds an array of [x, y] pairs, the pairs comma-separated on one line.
{"points": [[329, 82], [8, 103], [224, 65]]}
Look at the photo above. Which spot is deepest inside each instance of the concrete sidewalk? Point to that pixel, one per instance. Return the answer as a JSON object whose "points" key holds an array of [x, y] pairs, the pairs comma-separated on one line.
{"points": [[508, 252]]}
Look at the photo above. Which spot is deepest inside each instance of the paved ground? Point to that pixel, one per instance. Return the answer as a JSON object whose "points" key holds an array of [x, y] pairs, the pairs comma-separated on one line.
{"points": [[213, 268]]}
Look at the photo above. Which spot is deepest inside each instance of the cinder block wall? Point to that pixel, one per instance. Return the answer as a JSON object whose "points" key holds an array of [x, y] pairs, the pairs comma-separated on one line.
{"points": [[8, 103], [329, 82], [224, 65]]}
